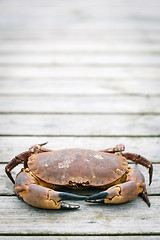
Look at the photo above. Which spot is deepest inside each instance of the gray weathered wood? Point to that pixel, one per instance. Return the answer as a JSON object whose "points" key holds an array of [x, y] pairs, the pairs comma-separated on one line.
{"points": [[79, 60], [65, 86], [83, 72], [81, 35], [80, 104], [80, 47], [150, 237], [32, 35], [147, 147], [69, 125], [130, 218]]}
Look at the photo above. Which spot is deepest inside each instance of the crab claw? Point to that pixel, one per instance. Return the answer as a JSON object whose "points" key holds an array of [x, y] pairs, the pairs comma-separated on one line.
{"points": [[123, 192], [119, 193], [26, 187], [98, 197], [70, 196]]}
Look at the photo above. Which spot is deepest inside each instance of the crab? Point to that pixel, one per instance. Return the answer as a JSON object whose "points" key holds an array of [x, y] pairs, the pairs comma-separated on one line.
{"points": [[47, 170]]}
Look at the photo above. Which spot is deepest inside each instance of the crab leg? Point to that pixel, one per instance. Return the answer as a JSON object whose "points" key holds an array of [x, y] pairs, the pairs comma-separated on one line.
{"points": [[23, 157], [16, 161], [133, 157], [140, 160], [123, 192], [42, 197]]}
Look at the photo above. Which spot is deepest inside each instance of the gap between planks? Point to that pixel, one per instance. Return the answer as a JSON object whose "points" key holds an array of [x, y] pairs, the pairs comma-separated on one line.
{"points": [[79, 113], [28, 236]]}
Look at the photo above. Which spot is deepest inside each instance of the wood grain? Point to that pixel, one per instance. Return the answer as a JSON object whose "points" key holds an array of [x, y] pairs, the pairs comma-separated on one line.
{"points": [[51, 47], [80, 72], [81, 125], [120, 104], [147, 147], [86, 220], [59, 237], [64, 86], [75, 59]]}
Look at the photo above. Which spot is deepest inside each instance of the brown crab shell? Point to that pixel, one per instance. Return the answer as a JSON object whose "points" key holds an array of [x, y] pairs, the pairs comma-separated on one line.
{"points": [[78, 166]]}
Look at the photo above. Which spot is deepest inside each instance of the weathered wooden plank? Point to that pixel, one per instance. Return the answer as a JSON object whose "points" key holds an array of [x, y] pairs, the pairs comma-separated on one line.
{"points": [[7, 188], [51, 21], [83, 30], [51, 25], [148, 147], [77, 35], [79, 60], [80, 72], [49, 3], [64, 86], [81, 125], [150, 237], [62, 104], [17, 217], [72, 37], [80, 47], [107, 26], [107, 14], [69, 6]]}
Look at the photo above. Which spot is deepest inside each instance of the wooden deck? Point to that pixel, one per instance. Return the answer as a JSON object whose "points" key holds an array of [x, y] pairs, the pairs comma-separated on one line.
{"points": [[80, 74]]}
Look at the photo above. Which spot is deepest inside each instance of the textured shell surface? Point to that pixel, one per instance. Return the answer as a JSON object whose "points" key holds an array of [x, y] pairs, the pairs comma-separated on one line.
{"points": [[78, 165]]}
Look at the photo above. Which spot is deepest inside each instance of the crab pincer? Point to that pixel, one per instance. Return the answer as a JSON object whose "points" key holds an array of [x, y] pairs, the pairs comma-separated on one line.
{"points": [[133, 186], [27, 188]]}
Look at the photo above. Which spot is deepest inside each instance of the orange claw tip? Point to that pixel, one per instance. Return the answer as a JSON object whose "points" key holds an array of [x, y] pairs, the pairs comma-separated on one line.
{"points": [[68, 206]]}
